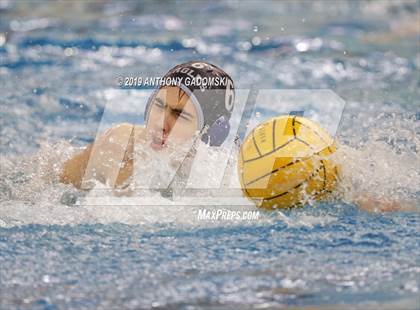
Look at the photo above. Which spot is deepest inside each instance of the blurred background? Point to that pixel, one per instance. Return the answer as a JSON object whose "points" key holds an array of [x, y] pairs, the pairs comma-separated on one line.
{"points": [[59, 63], [59, 60]]}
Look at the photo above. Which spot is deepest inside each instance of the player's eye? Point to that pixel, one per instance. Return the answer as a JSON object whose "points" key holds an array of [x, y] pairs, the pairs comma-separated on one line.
{"points": [[182, 115], [159, 104], [185, 117]]}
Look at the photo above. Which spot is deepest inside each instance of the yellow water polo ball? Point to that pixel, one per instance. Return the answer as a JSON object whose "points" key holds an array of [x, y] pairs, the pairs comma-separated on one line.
{"points": [[286, 161]]}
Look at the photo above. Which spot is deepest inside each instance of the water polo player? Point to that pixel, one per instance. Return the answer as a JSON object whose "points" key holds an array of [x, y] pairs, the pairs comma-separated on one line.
{"points": [[174, 115], [178, 113]]}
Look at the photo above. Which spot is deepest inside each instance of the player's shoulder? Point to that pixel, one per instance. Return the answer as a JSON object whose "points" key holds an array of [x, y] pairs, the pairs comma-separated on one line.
{"points": [[117, 134], [122, 128], [139, 133], [123, 131]]}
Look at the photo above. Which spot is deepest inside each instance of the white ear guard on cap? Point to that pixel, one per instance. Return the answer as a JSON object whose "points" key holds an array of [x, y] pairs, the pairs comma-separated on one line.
{"points": [[217, 133]]}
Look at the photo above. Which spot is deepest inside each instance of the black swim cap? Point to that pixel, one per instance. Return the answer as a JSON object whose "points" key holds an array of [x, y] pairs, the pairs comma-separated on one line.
{"points": [[214, 99]]}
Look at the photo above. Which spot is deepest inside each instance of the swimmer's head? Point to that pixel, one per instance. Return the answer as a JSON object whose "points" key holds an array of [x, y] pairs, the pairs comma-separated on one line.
{"points": [[199, 98]]}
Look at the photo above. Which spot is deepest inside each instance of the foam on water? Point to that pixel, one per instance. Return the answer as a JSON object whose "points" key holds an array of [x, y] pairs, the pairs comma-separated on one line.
{"points": [[383, 161], [383, 166], [31, 192]]}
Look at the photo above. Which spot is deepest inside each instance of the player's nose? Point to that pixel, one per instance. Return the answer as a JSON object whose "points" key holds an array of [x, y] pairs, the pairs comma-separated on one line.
{"points": [[163, 127]]}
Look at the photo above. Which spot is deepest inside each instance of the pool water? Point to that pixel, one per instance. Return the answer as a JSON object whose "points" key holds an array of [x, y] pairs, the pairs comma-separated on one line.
{"points": [[59, 64]]}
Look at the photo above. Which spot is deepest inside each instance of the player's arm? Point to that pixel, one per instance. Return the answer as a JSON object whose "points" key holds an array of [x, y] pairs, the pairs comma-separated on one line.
{"points": [[370, 203], [74, 169], [105, 160]]}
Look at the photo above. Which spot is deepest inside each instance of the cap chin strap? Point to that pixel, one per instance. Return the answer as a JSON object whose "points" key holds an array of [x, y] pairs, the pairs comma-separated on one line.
{"points": [[148, 105]]}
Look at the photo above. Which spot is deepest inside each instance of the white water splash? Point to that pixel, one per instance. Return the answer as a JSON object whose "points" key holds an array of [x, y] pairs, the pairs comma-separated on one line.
{"points": [[383, 164]]}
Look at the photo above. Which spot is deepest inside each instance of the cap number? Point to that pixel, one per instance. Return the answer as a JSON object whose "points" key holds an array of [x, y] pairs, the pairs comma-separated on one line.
{"points": [[229, 96]]}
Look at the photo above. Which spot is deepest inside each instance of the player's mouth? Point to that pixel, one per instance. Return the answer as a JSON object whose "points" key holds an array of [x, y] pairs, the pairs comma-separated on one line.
{"points": [[157, 143]]}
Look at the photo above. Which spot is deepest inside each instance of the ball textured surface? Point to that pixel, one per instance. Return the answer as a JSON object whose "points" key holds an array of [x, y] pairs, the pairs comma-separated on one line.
{"points": [[286, 161]]}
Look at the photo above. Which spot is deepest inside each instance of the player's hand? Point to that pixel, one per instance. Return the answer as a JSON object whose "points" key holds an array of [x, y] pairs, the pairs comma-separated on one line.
{"points": [[373, 204]]}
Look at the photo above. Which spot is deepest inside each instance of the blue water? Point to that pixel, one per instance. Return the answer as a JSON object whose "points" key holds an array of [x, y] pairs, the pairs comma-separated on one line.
{"points": [[354, 259], [58, 70]]}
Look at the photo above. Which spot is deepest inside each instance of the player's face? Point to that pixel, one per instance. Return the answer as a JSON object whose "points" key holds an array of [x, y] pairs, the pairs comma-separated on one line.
{"points": [[172, 117]]}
